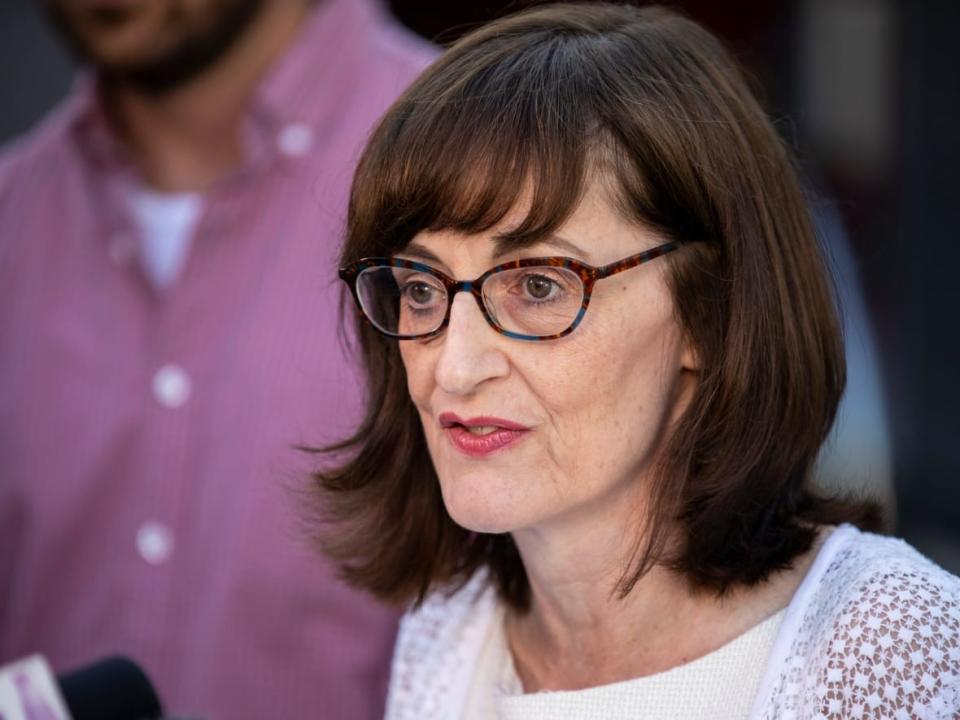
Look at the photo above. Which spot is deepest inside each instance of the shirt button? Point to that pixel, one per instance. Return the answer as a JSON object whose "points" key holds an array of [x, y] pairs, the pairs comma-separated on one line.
{"points": [[295, 140], [171, 386], [154, 542]]}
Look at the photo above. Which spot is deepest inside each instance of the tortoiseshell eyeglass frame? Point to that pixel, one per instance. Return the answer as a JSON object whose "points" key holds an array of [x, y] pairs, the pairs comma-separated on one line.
{"points": [[588, 275]]}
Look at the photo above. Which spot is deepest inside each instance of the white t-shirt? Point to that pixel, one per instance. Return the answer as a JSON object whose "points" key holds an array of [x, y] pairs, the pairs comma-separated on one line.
{"points": [[165, 224]]}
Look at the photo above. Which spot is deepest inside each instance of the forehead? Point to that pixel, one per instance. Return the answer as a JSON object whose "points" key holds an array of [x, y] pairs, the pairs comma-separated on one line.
{"points": [[596, 232]]}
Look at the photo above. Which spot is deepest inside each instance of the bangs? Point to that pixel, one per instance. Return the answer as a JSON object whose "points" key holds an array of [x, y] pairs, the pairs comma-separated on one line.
{"points": [[474, 139]]}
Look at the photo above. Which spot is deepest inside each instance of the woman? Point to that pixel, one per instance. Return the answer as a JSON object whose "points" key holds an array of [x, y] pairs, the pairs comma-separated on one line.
{"points": [[602, 355]]}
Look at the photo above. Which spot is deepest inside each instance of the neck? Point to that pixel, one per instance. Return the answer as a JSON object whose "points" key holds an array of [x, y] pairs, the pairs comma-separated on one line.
{"points": [[187, 139], [580, 633]]}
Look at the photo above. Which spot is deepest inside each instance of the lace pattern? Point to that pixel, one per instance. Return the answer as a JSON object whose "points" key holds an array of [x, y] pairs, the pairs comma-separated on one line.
{"points": [[436, 651], [880, 639]]}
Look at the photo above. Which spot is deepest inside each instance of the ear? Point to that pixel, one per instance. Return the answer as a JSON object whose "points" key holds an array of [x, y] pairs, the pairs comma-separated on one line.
{"points": [[689, 357]]}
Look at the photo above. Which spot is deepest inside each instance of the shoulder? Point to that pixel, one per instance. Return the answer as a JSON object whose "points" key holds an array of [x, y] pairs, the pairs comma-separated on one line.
{"points": [[436, 650], [872, 576], [38, 150], [401, 48], [879, 635]]}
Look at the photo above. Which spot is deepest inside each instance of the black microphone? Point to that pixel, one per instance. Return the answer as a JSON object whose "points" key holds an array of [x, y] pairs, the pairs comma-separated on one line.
{"points": [[111, 689]]}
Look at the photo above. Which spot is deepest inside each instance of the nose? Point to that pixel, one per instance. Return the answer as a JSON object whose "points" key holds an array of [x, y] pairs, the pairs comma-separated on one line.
{"points": [[471, 353]]}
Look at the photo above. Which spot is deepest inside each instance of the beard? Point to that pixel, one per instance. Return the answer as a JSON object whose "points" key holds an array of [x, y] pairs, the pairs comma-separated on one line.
{"points": [[189, 43]]}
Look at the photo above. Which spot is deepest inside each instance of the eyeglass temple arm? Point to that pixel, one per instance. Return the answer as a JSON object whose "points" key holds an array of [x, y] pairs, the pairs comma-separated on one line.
{"points": [[638, 259]]}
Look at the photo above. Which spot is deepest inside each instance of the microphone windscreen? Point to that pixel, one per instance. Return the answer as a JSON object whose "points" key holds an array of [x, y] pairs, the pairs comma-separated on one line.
{"points": [[111, 689]]}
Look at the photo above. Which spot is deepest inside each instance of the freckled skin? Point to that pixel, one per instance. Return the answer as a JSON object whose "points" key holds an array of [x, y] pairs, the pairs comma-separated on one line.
{"points": [[597, 401]]}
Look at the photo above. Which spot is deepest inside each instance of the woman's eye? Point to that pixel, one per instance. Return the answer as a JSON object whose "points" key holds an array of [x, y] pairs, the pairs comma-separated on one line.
{"points": [[540, 287], [419, 292]]}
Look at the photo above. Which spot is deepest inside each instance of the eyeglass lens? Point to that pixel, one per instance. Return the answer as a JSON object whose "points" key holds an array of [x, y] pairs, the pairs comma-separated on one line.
{"points": [[533, 301]]}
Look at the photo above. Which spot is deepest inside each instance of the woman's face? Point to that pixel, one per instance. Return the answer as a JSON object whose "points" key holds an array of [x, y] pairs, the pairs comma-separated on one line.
{"points": [[562, 429]]}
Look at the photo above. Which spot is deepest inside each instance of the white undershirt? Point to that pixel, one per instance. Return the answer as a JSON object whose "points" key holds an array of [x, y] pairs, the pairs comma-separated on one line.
{"points": [[165, 224], [720, 685]]}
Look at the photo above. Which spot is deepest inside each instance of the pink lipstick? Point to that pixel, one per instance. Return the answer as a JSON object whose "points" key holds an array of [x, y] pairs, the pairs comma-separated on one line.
{"points": [[481, 436]]}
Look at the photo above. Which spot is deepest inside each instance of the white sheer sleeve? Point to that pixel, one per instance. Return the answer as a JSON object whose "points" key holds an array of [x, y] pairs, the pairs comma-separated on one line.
{"points": [[881, 640], [436, 651]]}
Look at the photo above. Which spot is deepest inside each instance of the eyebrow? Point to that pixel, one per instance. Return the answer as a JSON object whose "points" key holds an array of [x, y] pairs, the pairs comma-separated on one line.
{"points": [[419, 252], [416, 251], [554, 241]]}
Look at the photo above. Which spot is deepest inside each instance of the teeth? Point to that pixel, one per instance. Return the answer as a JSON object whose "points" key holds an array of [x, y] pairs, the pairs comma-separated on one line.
{"points": [[482, 429]]}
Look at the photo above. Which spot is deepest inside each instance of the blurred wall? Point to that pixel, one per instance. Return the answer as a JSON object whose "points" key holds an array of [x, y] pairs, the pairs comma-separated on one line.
{"points": [[921, 268], [34, 70]]}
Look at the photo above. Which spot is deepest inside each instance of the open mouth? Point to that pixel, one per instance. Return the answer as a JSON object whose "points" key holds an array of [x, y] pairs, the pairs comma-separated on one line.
{"points": [[481, 436], [479, 425], [479, 429]]}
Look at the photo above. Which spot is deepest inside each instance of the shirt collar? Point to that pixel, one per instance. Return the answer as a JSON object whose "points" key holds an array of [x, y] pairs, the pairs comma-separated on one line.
{"points": [[323, 63], [87, 119]]}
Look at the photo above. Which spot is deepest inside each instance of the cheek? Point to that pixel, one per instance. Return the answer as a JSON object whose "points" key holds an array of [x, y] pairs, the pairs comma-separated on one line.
{"points": [[419, 371], [609, 395]]}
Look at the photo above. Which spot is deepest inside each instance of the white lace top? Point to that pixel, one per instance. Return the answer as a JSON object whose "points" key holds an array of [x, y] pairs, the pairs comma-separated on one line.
{"points": [[873, 632]]}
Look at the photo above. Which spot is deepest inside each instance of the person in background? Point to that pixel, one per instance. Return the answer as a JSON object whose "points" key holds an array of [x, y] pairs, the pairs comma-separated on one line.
{"points": [[167, 300]]}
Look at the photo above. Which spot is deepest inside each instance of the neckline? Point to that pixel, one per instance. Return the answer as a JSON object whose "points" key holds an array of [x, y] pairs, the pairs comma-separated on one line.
{"points": [[787, 618], [511, 686]]}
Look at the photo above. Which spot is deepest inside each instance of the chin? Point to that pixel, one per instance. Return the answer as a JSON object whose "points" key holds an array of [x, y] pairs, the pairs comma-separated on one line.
{"points": [[480, 522], [485, 504], [120, 57]]}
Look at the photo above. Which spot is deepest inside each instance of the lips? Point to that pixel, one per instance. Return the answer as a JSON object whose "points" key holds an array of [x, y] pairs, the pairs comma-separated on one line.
{"points": [[481, 436]]}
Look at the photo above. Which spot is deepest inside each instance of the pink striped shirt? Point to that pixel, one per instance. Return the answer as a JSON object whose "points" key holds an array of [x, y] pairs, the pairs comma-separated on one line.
{"points": [[147, 461]]}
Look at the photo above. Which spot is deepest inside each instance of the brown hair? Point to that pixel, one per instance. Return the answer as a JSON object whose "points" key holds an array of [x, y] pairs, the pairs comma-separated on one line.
{"points": [[539, 100]]}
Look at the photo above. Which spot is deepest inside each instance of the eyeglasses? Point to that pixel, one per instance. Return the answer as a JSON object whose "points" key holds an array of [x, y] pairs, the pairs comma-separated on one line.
{"points": [[530, 299]]}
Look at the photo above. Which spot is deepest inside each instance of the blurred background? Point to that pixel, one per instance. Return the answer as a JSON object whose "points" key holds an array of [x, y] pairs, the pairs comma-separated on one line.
{"points": [[868, 95]]}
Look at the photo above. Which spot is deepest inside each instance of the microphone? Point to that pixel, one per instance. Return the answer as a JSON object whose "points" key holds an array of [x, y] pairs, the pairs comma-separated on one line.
{"points": [[111, 689]]}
